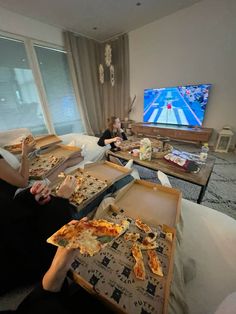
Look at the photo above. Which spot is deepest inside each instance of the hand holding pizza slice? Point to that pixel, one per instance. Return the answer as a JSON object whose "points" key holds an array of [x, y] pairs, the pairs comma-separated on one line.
{"points": [[90, 236], [67, 187]]}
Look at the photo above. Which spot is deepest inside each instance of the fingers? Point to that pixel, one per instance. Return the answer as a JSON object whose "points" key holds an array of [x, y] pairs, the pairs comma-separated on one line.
{"points": [[45, 200], [74, 222], [38, 187]]}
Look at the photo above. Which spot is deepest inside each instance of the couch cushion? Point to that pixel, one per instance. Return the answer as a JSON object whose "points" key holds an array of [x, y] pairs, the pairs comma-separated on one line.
{"points": [[91, 151]]}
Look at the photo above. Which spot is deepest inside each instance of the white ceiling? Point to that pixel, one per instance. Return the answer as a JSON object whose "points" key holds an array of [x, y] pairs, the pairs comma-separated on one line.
{"points": [[111, 17]]}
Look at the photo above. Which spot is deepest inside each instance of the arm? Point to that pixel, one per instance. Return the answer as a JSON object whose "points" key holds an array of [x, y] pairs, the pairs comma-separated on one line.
{"points": [[13, 176], [106, 138], [55, 276], [18, 178]]}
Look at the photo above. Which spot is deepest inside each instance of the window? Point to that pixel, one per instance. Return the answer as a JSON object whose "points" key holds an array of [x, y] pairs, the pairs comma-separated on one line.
{"points": [[19, 100], [43, 107], [60, 95]]}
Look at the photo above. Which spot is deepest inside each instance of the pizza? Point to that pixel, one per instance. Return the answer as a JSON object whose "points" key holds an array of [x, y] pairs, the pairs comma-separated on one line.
{"points": [[139, 269], [41, 165], [89, 236], [16, 146], [148, 246], [67, 186], [29, 139], [142, 226], [154, 263], [151, 237], [131, 236], [169, 236], [87, 187]]}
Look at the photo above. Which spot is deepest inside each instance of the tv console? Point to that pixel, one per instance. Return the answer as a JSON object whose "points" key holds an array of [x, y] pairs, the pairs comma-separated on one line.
{"points": [[182, 133]]}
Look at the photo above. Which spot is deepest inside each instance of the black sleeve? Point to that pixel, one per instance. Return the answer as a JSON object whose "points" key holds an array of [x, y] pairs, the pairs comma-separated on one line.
{"points": [[124, 136], [40, 301], [105, 136], [1, 157]]}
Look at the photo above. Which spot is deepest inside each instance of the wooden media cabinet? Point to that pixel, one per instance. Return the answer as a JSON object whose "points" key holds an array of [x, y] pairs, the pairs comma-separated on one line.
{"points": [[182, 133]]}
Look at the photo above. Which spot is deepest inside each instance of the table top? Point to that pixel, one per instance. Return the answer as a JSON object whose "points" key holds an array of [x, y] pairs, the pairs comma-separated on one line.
{"points": [[200, 178]]}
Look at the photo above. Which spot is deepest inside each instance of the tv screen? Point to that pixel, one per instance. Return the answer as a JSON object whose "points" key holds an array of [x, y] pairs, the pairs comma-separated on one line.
{"points": [[180, 105]]}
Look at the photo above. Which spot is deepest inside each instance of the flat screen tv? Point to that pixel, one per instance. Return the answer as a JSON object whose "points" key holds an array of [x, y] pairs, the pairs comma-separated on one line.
{"points": [[180, 105]]}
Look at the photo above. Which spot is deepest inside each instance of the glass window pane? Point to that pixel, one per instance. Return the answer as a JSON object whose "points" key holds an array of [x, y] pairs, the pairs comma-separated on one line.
{"points": [[19, 102], [60, 94]]}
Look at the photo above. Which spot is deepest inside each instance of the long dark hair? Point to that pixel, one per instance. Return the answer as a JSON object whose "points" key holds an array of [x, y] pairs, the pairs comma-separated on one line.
{"points": [[111, 121]]}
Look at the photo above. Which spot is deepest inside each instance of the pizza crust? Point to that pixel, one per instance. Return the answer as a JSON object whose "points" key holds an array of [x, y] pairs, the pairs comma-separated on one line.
{"points": [[142, 226], [154, 263]]}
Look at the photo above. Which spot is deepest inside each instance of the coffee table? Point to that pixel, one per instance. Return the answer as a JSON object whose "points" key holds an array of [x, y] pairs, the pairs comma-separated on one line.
{"points": [[201, 178]]}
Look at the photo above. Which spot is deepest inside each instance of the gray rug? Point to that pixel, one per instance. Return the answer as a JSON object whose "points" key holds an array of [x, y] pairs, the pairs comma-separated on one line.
{"points": [[221, 191]]}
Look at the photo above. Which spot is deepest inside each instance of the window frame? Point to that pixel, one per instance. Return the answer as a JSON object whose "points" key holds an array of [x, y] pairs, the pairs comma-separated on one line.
{"points": [[29, 44]]}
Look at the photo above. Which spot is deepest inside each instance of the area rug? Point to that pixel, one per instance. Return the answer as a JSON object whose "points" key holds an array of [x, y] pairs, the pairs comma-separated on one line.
{"points": [[221, 191]]}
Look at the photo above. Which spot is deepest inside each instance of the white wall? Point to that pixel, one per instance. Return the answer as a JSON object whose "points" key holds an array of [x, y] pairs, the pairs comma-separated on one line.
{"points": [[193, 45], [21, 25]]}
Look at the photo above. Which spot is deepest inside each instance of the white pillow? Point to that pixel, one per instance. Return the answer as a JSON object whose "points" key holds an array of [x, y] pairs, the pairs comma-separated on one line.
{"points": [[10, 158], [91, 151]]}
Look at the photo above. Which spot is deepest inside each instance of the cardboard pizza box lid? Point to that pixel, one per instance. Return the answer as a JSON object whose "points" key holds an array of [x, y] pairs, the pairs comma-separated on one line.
{"points": [[151, 202], [48, 140], [61, 150], [107, 171]]}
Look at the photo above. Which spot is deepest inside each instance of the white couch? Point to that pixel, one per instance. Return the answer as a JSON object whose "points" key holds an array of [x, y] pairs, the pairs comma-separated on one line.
{"points": [[91, 151]]}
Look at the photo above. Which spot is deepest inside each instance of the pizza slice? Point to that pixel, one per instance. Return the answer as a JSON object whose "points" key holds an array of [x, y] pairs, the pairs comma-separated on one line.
{"points": [[154, 263], [142, 226], [149, 246], [151, 237], [139, 269], [131, 236], [90, 236], [16, 146], [169, 236]]}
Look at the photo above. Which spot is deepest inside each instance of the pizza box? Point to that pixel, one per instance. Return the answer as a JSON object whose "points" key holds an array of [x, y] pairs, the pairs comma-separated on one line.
{"points": [[87, 178], [44, 141], [63, 151], [107, 171], [151, 202], [14, 146], [108, 275]]}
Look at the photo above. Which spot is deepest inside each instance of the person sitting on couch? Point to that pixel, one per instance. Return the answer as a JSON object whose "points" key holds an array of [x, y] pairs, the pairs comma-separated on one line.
{"points": [[113, 135], [24, 223]]}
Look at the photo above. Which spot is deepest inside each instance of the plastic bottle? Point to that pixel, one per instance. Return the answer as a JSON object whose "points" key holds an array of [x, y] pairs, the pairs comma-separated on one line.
{"points": [[204, 152]]}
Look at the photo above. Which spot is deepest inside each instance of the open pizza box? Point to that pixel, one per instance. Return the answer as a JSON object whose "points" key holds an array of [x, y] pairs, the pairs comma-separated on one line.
{"points": [[46, 141], [103, 174], [155, 205], [67, 154], [151, 202], [107, 171], [109, 275]]}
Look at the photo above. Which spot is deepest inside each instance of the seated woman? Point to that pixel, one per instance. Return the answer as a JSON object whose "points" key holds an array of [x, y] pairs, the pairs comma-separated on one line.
{"points": [[113, 135], [24, 223]]}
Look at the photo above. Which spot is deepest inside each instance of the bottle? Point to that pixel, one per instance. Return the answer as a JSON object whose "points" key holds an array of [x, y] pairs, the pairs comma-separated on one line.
{"points": [[204, 152]]}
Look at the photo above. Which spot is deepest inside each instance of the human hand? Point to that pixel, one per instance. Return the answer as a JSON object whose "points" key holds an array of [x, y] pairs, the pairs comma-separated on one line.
{"points": [[27, 147], [41, 192], [117, 139], [67, 187]]}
